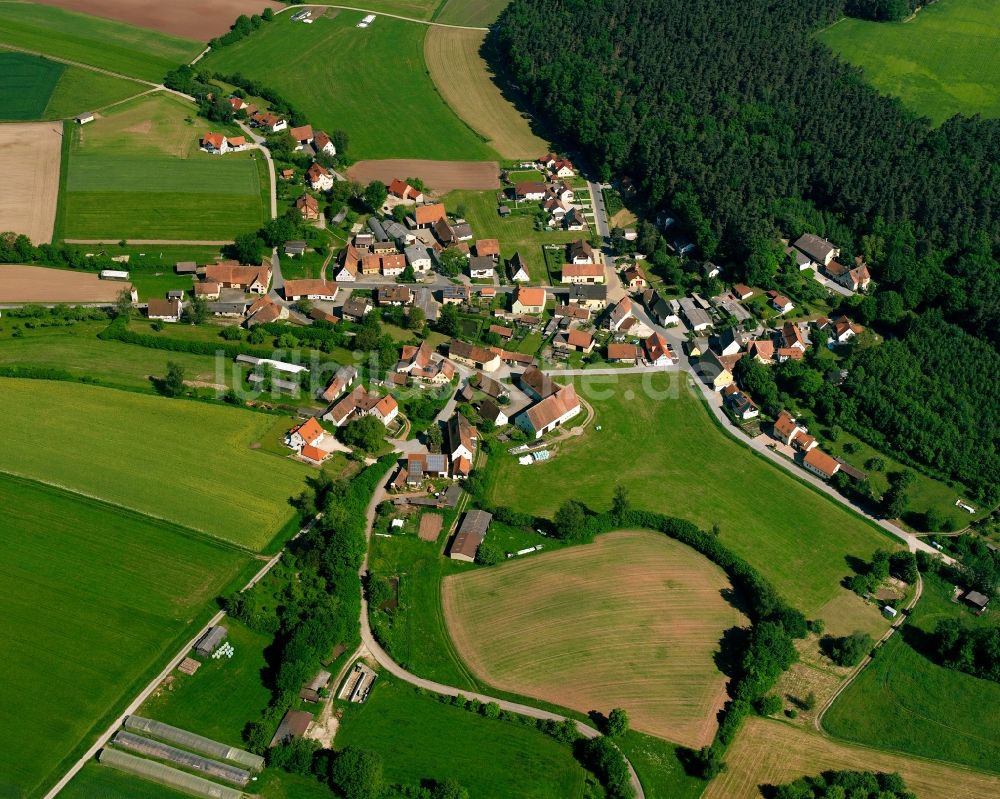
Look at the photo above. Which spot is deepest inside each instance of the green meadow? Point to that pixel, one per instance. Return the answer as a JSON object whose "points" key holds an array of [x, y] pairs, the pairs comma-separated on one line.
{"points": [[906, 702], [371, 83], [417, 736], [139, 173], [185, 461], [673, 458], [95, 597], [478, 13], [104, 43], [941, 63]]}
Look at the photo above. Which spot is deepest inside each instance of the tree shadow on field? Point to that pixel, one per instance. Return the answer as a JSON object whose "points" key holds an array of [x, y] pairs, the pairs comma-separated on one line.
{"points": [[731, 647], [736, 600], [856, 564], [599, 720]]}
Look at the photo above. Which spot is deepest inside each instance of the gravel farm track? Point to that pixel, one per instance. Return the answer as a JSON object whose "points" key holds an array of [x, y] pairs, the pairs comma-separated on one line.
{"points": [[29, 163], [440, 177], [188, 18]]}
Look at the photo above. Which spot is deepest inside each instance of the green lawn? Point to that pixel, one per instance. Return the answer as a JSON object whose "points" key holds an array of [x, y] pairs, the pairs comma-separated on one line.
{"points": [[419, 639], [904, 701], [517, 233], [223, 695], [669, 452], [95, 598], [941, 63], [186, 461], [138, 173], [660, 772], [371, 82], [114, 46], [416, 736]]}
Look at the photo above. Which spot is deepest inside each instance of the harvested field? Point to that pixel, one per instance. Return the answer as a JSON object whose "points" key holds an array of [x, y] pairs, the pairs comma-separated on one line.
{"points": [[38, 284], [768, 752], [179, 17], [632, 620], [29, 162], [430, 526], [465, 82], [439, 176]]}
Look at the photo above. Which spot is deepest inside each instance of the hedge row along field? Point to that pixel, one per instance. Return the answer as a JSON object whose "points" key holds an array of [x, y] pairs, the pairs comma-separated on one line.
{"points": [[190, 463]]}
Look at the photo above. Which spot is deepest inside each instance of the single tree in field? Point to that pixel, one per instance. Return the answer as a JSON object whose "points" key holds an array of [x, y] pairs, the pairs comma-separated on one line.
{"points": [[173, 383], [571, 521], [620, 502], [617, 723], [123, 304]]}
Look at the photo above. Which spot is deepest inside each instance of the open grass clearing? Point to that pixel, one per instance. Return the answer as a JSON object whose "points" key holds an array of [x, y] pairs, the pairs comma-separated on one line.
{"points": [[29, 158], [466, 83], [138, 173], [91, 40], [184, 461], [906, 702], [659, 440], [371, 83], [768, 752], [416, 734], [471, 12], [660, 771], [940, 63], [632, 620], [96, 597]]}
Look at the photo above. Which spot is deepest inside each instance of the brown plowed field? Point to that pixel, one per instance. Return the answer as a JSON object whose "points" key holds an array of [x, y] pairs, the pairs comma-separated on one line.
{"points": [[768, 752], [29, 163], [38, 284], [632, 620], [195, 20], [439, 176]]}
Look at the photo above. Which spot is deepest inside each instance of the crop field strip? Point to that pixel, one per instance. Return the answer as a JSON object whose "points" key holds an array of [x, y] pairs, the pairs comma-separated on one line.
{"points": [[464, 81], [687, 466], [183, 193], [768, 752], [187, 462], [371, 83], [471, 12], [632, 620], [98, 42], [95, 597], [940, 63]]}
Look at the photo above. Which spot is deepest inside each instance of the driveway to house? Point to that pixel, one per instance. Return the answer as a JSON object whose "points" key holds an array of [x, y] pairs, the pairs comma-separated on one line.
{"points": [[261, 143], [369, 646]]}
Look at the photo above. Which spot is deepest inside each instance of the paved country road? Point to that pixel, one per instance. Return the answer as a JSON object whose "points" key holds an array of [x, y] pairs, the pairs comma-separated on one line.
{"points": [[371, 647]]}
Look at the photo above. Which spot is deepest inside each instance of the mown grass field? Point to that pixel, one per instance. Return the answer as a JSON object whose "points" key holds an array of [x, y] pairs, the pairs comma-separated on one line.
{"points": [[138, 173], [517, 233], [666, 448], [906, 702], [660, 771], [464, 80], [136, 52], [471, 12], [632, 620], [768, 752], [94, 598], [417, 738], [371, 83], [941, 63], [184, 461], [223, 695]]}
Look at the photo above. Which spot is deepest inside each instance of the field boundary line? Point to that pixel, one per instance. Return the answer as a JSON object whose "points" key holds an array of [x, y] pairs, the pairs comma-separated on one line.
{"points": [[428, 22], [91, 67], [201, 534]]}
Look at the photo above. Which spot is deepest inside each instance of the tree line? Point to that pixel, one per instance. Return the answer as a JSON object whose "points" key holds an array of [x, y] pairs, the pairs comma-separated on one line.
{"points": [[840, 784]]}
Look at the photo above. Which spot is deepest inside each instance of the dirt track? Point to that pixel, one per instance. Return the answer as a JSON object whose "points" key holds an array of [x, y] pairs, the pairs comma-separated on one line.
{"points": [[29, 163], [200, 21], [38, 284], [439, 176]]}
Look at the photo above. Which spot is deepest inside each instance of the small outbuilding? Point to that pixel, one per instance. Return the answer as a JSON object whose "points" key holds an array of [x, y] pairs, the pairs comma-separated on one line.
{"points": [[293, 725], [470, 535], [977, 600], [211, 641]]}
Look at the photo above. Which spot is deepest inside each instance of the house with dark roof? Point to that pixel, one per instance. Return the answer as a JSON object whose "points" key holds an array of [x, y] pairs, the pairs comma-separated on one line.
{"points": [[470, 535], [818, 250]]}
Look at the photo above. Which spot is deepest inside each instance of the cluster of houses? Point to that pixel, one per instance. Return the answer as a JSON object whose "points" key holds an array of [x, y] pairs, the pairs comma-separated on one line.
{"points": [[792, 433], [812, 252], [230, 290]]}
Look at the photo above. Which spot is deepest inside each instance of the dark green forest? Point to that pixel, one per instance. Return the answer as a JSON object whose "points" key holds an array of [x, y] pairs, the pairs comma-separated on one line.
{"points": [[732, 116]]}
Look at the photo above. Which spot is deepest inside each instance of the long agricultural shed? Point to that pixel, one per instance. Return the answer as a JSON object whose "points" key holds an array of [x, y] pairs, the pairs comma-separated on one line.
{"points": [[166, 775], [195, 743], [162, 751]]}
